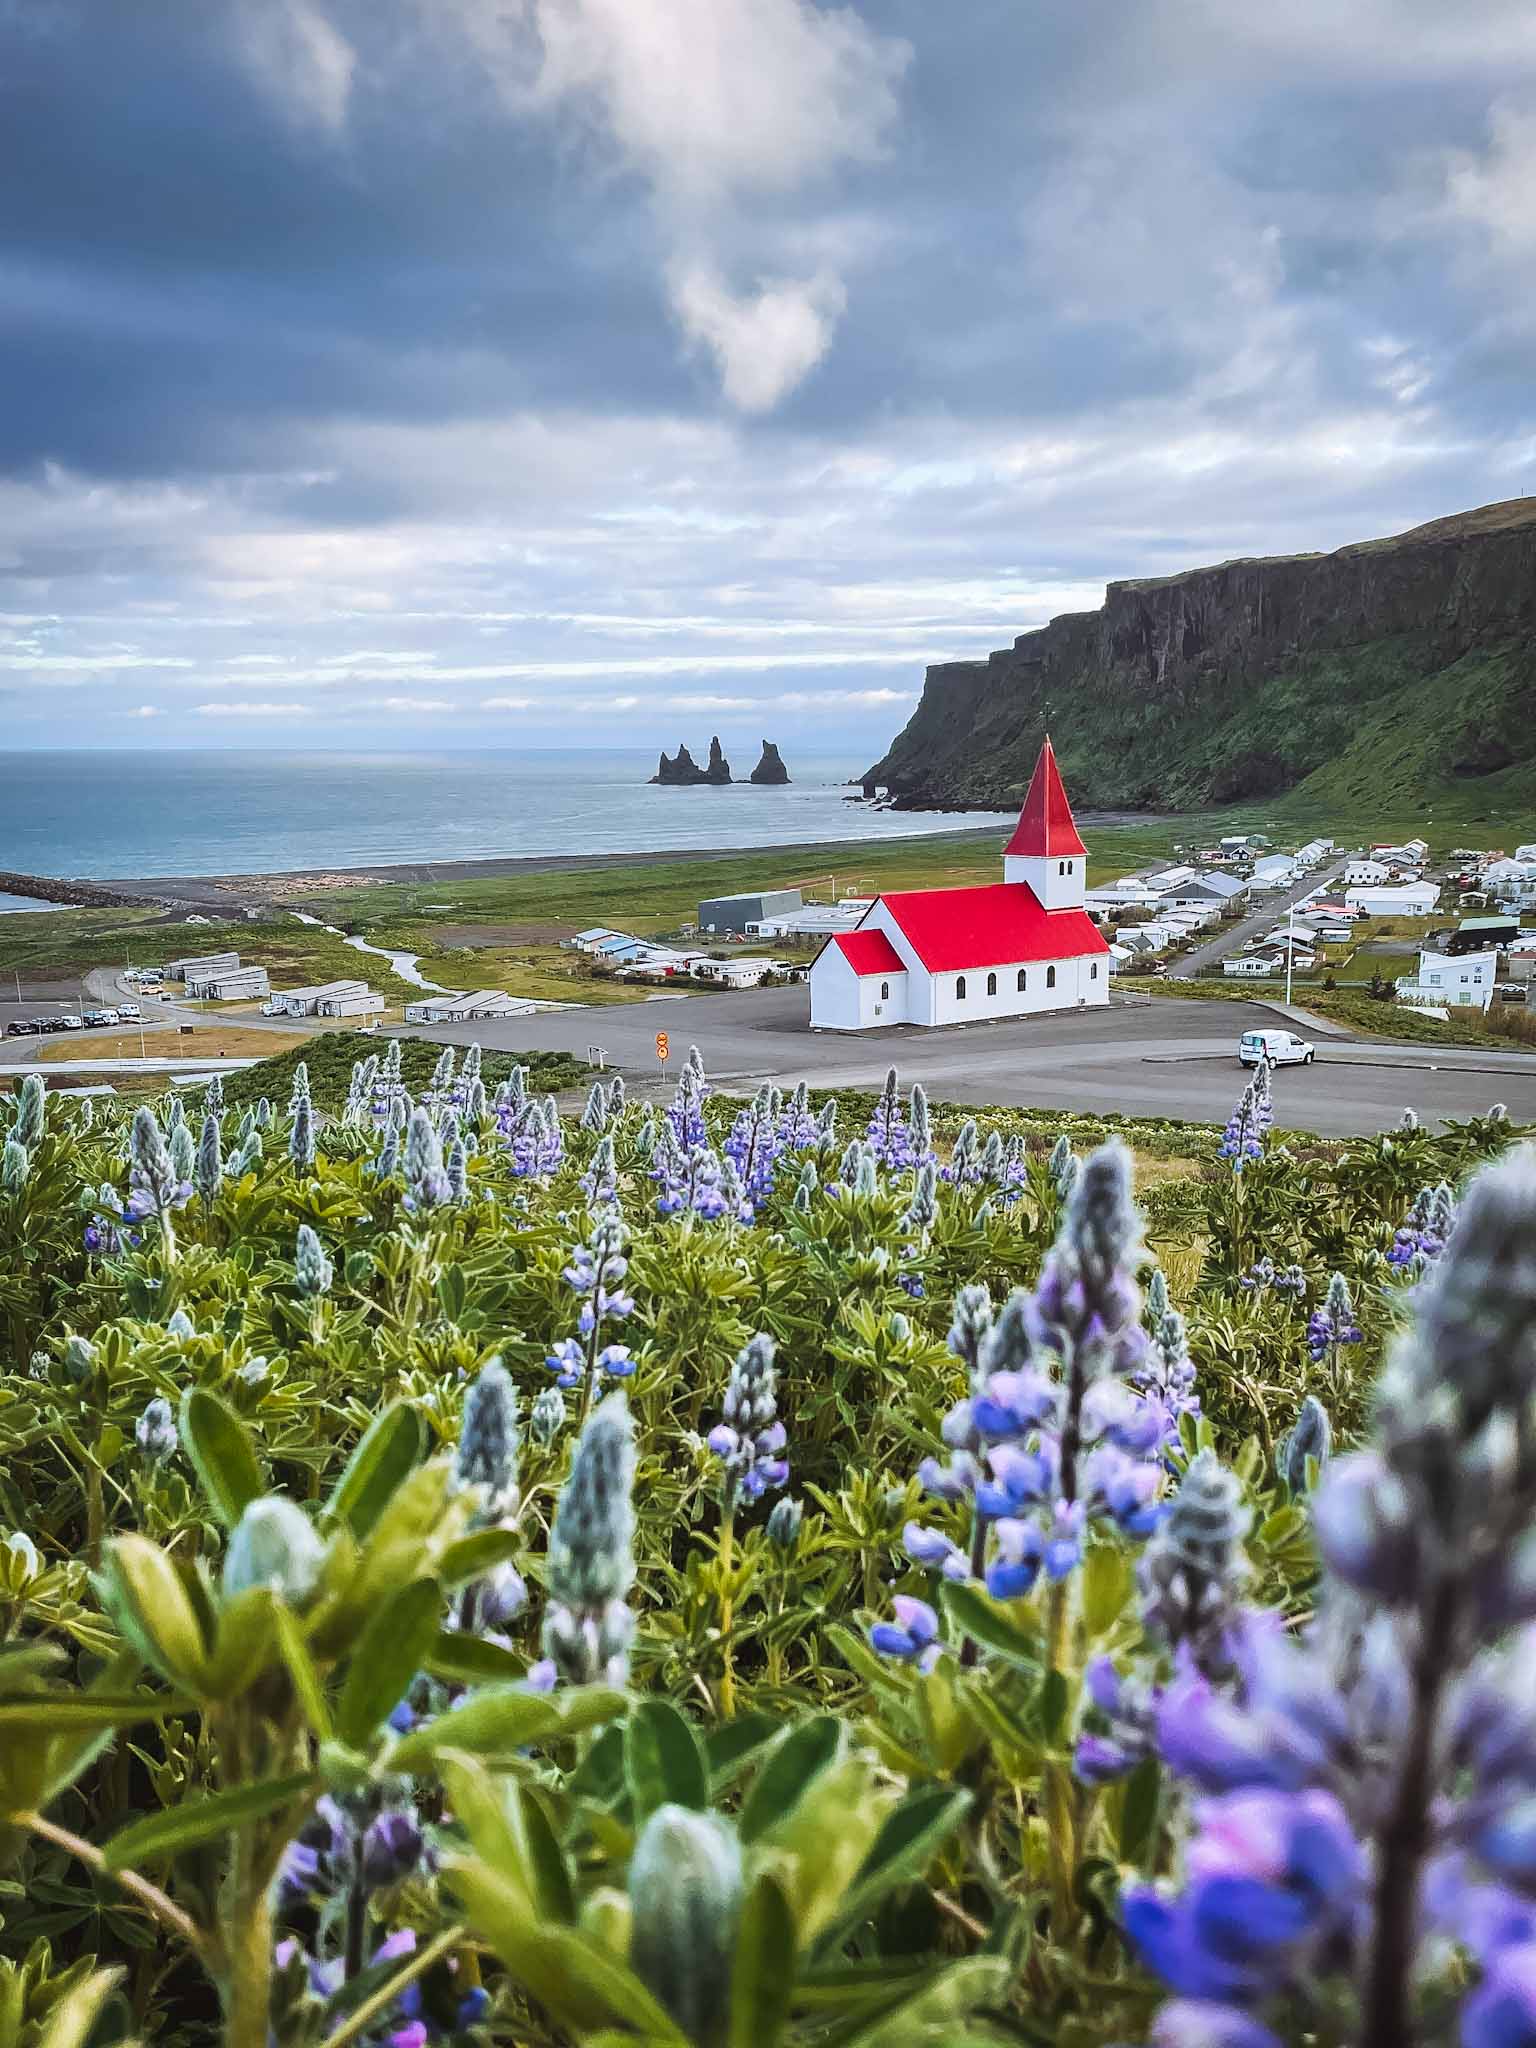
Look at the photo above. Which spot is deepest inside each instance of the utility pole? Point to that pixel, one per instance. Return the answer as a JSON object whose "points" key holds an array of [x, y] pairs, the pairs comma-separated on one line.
{"points": [[1290, 949]]}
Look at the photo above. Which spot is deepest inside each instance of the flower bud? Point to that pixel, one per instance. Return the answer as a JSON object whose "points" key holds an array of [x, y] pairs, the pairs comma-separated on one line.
{"points": [[155, 1432], [685, 1889], [784, 1524], [274, 1545], [312, 1271], [488, 1443], [79, 1359]]}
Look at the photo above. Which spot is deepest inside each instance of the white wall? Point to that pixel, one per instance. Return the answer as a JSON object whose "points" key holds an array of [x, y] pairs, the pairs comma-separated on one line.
{"points": [[844, 1001], [1076, 982]]}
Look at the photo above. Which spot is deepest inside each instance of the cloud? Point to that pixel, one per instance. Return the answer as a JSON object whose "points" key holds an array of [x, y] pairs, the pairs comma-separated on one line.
{"points": [[1494, 189], [714, 103], [300, 58], [289, 710], [146, 711], [764, 343]]}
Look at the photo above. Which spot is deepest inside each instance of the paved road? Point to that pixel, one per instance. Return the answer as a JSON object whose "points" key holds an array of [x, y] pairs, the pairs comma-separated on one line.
{"points": [[103, 988], [1164, 1057], [1268, 917]]}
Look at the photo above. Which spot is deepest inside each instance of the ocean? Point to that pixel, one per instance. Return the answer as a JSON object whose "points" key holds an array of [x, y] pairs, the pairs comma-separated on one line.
{"points": [[114, 816]]}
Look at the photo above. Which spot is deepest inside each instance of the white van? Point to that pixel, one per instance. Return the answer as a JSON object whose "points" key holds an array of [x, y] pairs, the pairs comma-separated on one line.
{"points": [[1279, 1048]]}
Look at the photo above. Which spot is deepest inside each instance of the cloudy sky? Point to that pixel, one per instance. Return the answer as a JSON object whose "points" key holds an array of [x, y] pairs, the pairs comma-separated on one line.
{"points": [[388, 372]]}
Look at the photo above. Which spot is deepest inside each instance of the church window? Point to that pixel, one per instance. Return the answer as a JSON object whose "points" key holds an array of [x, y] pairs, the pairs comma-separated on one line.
{"points": [[885, 990], [1050, 977], [959, 988], [1023, 981], [991, 984]]}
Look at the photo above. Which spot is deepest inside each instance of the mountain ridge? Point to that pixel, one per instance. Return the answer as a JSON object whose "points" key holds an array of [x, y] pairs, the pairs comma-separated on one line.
{"points": [[1256, 678]]}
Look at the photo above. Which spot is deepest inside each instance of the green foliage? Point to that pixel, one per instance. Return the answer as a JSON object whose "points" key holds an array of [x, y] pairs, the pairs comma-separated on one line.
{"points": [[209, 1646]]}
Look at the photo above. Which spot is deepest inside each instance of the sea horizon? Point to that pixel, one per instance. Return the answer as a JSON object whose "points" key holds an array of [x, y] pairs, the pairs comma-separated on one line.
{"points": [[117, 814]]}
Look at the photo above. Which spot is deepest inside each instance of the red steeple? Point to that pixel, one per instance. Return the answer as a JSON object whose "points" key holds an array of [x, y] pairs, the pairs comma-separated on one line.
{"points": [[1045, 828]]}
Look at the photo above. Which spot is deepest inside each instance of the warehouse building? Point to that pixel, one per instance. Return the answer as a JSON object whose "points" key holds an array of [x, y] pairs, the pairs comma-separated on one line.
{"points": [[209, 963], [227, 984], [306, 1002], [738, 913]]}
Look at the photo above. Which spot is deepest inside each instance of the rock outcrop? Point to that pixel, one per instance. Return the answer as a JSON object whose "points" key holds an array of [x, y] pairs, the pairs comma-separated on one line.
{"points": [[770, 769], [1384, 671], [681, 771]]}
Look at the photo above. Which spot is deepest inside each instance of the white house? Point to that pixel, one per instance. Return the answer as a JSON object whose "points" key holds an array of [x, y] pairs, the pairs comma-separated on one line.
{"points": [[1511, 881], [1245, 965], [962, 956], [1365, 872], [1410, 899], [1274, 871], [1457, 980]]}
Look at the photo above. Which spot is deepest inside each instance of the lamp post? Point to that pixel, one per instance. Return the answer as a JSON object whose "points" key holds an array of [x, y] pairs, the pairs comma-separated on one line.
{"points": [[1290, 949]]}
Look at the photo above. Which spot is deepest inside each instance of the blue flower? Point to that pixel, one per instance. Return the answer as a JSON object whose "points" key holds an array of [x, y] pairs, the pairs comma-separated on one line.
{"points": [[914, 1635]]}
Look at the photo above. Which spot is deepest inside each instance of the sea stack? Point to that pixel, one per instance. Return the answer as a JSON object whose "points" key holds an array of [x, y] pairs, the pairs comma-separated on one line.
{"points": [[681, 771], [770, 769]]}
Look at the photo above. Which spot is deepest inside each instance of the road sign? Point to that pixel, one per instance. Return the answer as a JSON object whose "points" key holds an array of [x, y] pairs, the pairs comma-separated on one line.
{"points": [[662, 1048]]}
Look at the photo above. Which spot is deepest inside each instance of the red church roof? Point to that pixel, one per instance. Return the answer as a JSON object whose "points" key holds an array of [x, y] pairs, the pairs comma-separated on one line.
{"points": [[1046, 827], [995, 925], [869, 952]]}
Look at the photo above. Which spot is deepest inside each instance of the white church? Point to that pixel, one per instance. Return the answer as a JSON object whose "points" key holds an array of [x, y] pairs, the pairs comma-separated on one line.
{"points": [[962, 956]]}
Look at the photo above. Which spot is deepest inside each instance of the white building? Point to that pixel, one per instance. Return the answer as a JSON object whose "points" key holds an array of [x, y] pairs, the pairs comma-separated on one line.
{"points": [[445, 1007], [1365, 872], [1408, 899], [227, 984], [362, 1002], [306, 1002], [1252, 965], [1274, 871], [1511, 881], [210, 963], [1456, 980], [961, 956]]}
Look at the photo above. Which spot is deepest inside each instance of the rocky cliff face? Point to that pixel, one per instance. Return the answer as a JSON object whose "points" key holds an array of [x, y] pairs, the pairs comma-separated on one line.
{"points": [[1411, 659], [683, 772], [770, 769]]}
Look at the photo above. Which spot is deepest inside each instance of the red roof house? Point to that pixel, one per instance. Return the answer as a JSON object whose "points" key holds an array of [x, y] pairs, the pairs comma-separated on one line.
{"points": [[999, 949]]}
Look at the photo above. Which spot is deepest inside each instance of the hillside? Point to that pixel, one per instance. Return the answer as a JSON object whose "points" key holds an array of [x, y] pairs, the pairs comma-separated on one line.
{"points": [[1396, 671]]}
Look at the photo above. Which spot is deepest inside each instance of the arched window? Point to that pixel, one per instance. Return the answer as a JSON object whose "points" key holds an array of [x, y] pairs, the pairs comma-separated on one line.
{"points": [[885, 989], [1093, 971], [959, 988], [1023, 981], [1050, 977], [991, 984], [1061, 867]]}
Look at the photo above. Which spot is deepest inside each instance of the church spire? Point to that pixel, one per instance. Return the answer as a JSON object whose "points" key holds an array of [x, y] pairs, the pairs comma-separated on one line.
{"points": [[1046, 829]]}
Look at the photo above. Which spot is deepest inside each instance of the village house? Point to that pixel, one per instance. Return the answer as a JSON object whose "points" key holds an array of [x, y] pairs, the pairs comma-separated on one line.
{"points": [[1459, 981], [960, 956]]}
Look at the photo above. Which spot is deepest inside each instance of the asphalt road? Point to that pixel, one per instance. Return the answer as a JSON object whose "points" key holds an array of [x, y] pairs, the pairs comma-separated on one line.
{"points": [[1161, 1057], [1268, 917]]}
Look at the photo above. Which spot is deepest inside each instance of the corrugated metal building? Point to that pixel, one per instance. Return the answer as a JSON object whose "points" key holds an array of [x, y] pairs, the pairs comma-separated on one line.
{"points": [[735, 913]]}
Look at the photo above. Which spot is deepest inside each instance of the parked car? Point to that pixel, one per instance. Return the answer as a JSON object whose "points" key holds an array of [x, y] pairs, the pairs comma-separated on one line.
{"points": [[1511, 992], [128, 1013], [72, 1023], [49, 1024], [1279, 1048], [22, 1027], [101, 1016]]}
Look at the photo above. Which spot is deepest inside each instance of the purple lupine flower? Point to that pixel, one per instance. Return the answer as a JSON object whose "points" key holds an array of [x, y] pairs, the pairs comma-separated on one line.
{"points": [[935, 1551], [888, 1134], [154, 1189], [913, 1638], [426, 1181], [587, 1626], [1250, 1121], [1333, 1325], [750, 1440], [596, 1275], [755, 1143], [685, 1116]]}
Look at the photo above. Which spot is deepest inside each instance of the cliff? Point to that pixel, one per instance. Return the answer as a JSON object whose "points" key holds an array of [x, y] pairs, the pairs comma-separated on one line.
{"points": [[770, 769], [681, 771], [1387, 670]]}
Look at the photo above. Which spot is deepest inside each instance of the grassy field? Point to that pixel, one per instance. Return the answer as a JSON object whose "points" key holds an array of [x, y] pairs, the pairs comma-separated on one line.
{"points": [[212, 1041]]}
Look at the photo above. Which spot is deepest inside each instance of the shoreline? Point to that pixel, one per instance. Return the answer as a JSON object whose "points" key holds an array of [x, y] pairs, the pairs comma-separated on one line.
{"points": [[229, 890], [236, 890]]}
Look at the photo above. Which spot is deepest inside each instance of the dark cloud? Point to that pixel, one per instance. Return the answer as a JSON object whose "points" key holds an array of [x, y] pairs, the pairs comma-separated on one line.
{"points": [[516, 355]]}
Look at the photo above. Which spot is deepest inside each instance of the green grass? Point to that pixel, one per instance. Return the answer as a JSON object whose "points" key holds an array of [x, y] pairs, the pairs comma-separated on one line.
{"points": [[330, 1058]]}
